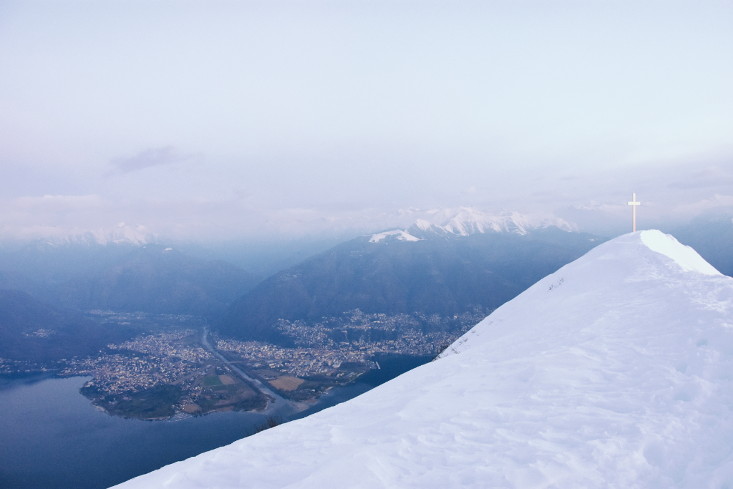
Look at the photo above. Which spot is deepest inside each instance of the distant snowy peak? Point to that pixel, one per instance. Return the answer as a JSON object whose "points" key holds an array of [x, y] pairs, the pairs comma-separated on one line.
{"points": [[424, 225], [397, 234], [467, 221], [124, 233], [121, 233]]}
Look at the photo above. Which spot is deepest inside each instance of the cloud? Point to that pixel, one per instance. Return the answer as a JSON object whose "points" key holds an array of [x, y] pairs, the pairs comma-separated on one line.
{"points": [[58, 202], [712, 176], [51, 215], [716, 202], [164, 155]]}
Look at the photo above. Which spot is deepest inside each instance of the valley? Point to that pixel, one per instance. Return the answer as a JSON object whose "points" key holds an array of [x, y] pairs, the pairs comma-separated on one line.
{"points": [[176, 368], [164, 335]]}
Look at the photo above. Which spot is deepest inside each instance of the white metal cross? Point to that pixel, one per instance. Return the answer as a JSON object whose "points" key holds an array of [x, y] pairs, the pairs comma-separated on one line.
{"points": [[633, 205]]}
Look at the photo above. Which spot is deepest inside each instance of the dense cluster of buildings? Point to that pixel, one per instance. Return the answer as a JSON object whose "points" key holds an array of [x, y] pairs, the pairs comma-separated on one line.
{"points": [[299, 361], [336, 350], [403, 334], [143, 363], [9, 366], [336, 346]]}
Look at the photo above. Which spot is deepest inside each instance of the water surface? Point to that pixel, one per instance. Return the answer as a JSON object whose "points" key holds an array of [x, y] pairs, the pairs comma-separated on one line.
{"points": [[52, 437]]}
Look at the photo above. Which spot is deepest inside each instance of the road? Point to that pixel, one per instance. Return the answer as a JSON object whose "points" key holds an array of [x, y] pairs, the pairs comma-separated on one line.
{"points": [[277, 405]]}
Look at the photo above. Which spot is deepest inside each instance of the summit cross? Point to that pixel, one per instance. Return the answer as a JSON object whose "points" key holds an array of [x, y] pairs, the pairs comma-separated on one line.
{"points": [[634, 204]]}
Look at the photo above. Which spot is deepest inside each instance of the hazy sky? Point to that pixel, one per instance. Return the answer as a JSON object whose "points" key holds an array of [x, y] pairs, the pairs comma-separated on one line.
{"points": [[233, 118]]}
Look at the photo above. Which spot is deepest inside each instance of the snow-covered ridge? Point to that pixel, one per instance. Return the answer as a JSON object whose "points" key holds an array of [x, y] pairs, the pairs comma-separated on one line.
{"points": [[398, 234], [683, 256], [612, 372], [467, 221], [627, 261]]}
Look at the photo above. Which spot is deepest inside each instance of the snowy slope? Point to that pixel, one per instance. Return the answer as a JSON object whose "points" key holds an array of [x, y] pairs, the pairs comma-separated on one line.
{"points": [[616, 371]]}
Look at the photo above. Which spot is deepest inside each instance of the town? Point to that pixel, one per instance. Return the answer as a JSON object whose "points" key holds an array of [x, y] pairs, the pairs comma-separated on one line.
{"points": [[171, 371]]}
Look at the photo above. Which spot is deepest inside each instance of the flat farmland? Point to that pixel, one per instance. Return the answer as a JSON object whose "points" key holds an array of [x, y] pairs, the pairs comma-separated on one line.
{"points": [[286, 383]]}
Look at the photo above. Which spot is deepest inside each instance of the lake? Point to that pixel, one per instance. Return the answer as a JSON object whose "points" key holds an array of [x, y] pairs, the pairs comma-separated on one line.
{"points": [[52, 437]]}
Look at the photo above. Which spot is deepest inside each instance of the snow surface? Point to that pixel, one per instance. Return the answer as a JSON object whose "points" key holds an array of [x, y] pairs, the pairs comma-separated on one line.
{"points": [[614, 372], [684, 256], [398, 234], [470, 221]]}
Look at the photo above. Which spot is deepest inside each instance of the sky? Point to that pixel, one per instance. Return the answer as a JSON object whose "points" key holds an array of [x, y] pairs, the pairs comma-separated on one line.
{"points": [[214, 119]]}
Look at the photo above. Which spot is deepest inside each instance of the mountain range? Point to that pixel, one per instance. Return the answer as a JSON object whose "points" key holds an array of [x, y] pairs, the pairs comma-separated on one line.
{"points": [[31, 330], [158, 279], [613, 371], [46, 288], [123, 276], [447, 263], [468, 221], [471, 262]]}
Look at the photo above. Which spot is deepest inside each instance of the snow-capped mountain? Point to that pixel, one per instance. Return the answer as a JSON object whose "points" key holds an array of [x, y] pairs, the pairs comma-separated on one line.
{"points": [[441, 277], [614, 371], [467, 221], [121, 233], [398, 234], [121, 272]]}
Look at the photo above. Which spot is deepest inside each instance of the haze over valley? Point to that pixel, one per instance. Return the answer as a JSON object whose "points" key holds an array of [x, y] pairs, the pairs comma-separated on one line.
{"points": [[304, 330]]}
